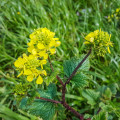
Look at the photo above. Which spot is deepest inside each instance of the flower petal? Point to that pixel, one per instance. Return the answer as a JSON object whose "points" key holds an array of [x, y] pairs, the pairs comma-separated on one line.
{"points": [[39, 80], [52, 51], [40, 46], [27, 72], [30, 78]]}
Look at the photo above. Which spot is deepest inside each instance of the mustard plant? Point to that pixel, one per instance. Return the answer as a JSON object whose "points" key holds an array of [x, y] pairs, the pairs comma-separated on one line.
{"points": [[41, 46]]}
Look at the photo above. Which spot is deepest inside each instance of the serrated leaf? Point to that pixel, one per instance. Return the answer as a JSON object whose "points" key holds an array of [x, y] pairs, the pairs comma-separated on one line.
{"points": [[23, 103], [102, 89], [91, 96], [70, 65], [44, 109], [80, 80], [50, 92], [101, 116], [113, 87]]}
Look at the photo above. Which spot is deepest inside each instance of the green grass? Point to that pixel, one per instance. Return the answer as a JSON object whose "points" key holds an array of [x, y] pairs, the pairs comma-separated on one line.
{"points": [[70, 20]]}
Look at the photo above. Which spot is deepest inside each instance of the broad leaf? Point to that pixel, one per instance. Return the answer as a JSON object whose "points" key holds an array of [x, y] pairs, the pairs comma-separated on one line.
{"points": [[91, 96], [113, 87], [44, 109], [101, 116], [70, 65], [80, 80], [49, 93], [23, 103]]}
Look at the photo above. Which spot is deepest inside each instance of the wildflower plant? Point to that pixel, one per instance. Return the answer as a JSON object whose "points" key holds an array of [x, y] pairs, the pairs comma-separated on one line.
{"points": [[43, 44], [115, 15]]}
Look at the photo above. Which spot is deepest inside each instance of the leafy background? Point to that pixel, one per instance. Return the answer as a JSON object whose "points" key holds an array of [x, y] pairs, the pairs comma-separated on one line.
{"points": [[70, 21]]}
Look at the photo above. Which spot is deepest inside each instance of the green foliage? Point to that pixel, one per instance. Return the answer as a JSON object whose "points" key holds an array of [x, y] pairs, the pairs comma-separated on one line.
{"points": [[91, 96], [23, 103], [70, 65], [111, 108], [101, 116], [113, 87], [71, 21], [52, 77], [107, 94], [50, 92], [80, 80], [42, 108], [8, 114]]}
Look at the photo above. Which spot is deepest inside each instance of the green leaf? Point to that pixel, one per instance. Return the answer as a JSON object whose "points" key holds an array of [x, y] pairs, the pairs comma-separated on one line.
{"points": [[23, 103], [107, 94], [107, 108], [52, 77], [44, 109], [113, 87], [50, 92], [70, 65], [101, 116], [91, 96], [80, 80]]}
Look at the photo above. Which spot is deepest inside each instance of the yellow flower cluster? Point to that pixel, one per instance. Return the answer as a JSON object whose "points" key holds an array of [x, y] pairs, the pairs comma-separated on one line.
{"points": [[115, 14], [100, 40], [41, 44]]}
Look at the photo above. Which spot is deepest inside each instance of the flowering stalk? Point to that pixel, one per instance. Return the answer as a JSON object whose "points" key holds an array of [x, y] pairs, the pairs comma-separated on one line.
{"points": [[42, 44]]}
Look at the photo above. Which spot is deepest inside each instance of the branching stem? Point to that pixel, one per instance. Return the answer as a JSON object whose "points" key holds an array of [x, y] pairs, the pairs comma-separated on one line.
{"points": [[78, 115]]}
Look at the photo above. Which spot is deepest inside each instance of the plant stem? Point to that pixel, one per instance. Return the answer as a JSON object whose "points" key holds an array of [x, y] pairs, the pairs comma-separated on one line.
{"points": [[50, 64], [60, 80], [49, 100], [79, 65], [53, 71], [78, 115]]}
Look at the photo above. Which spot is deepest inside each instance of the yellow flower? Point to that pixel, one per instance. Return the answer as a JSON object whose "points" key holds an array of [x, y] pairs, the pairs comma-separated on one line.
{"points": [[52, 51], [30, 78], [117, 10], [18, 13], [100, 41], [19, 63], [108, 49], [40, 46], [39, 80], [27, 65], [43, 54], [27, 72], [43, 39], [42, 42], [114, 15]]}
